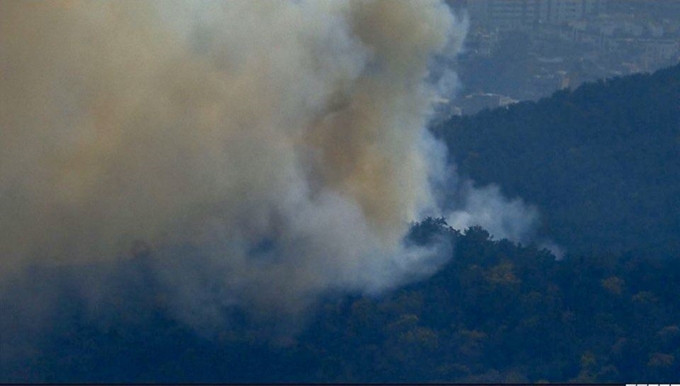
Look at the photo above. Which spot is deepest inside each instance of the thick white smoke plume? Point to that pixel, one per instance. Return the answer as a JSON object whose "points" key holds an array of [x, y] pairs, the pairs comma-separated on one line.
{"points": [[284, 140], [262, 152]]}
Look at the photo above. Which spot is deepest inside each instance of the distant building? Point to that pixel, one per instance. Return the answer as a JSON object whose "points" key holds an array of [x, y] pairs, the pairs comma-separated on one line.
{"points": [[562, 11], [524, 14], [530, 48], [503, 14], [473, 103]]}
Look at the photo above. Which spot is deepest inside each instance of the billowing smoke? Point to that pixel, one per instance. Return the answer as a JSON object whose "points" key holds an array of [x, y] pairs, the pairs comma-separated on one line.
{"points": [[282, 143], [501, 217], [464, 205], [249, 153]]}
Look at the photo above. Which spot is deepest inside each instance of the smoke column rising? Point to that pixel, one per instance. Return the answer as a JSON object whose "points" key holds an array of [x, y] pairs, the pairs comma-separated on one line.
{"points": [[285, 140]]}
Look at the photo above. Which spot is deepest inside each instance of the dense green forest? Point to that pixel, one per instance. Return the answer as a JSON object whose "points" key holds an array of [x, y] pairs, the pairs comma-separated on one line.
{"points": [[497, 312], [601, 162]]}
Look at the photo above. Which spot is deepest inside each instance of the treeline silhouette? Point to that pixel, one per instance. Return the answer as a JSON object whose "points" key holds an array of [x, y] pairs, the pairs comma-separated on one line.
{"points": [[496, 312], [601, 162]]}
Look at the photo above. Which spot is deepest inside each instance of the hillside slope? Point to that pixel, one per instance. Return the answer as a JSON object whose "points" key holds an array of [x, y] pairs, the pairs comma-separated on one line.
{"points": [[497, 312], [601, 162]]}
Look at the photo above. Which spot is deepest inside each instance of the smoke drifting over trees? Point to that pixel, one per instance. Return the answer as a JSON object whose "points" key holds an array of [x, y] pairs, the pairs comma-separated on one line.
{"points": [[282, 143]]}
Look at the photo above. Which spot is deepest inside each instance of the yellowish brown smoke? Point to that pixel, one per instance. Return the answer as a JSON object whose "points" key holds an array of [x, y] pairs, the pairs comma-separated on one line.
{"points": [[218, 124]]}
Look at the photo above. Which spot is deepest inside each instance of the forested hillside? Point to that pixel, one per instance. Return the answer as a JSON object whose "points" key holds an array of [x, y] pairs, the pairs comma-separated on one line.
{"points": [[237, 192], [497, 312], [601, 162]]}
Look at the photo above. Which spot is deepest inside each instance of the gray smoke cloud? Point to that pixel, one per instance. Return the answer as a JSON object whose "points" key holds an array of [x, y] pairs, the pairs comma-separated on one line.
{"points": [[502, 217], [261, 152], [465, 205], [285, 141]]}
